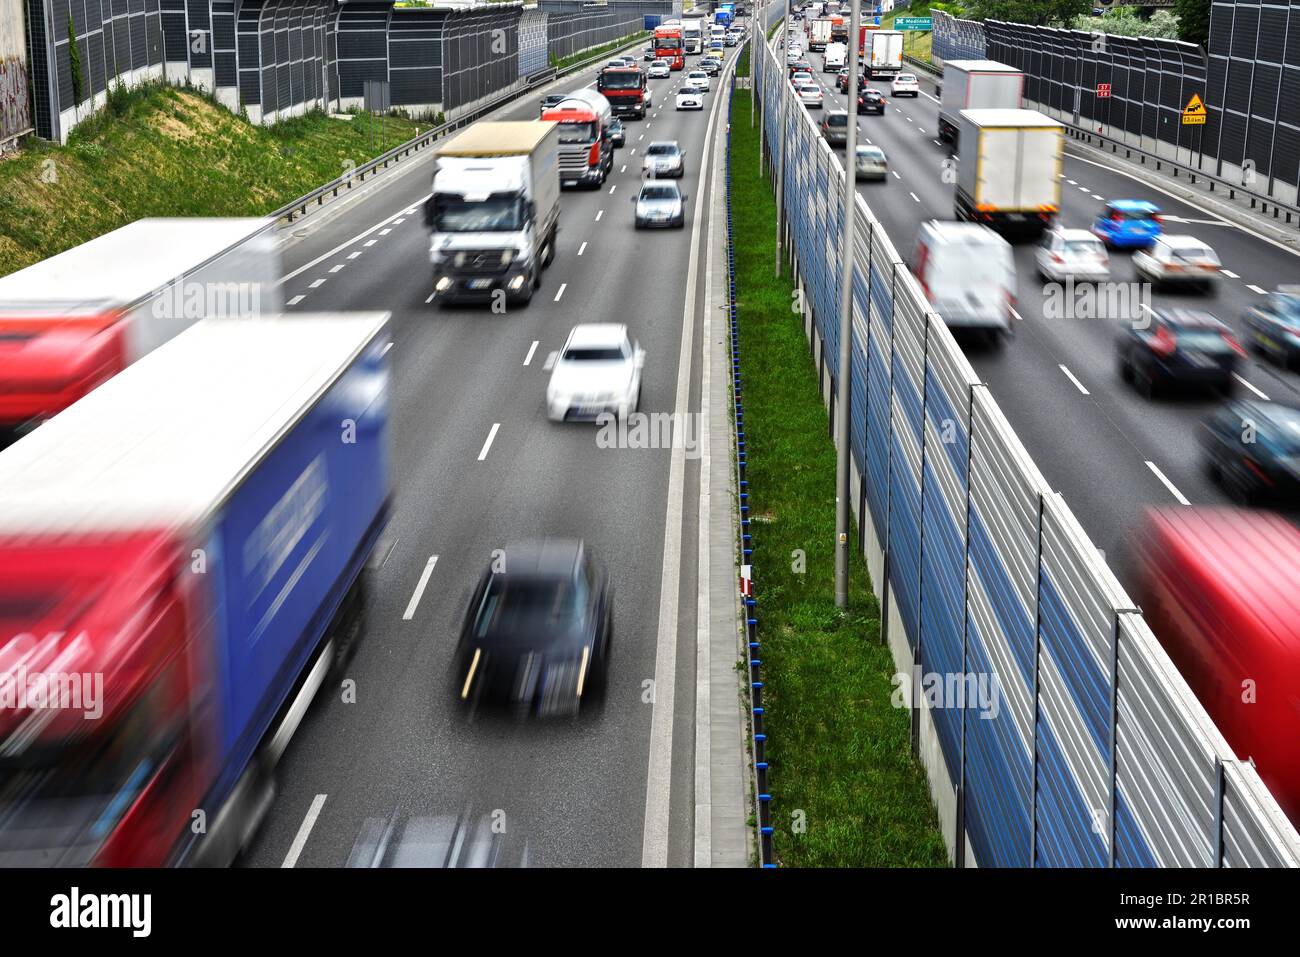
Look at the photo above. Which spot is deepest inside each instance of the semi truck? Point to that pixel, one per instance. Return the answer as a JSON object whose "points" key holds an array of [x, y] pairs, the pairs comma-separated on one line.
{"points": [[495, 208], [819, 34], [1009, 166], [668, 45], [693, 34], [626, 89], [884, 57], [976, 85], [71, 322], [1219, 587], [183, 556], [586, 147], [725, 14]]}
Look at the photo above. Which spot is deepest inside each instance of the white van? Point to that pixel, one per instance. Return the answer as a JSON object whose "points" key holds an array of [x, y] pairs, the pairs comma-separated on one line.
{"points": [[968, 273], [835, 57]]}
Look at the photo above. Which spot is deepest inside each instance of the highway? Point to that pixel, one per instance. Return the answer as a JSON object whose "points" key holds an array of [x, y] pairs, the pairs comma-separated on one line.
{"points": [[476, 465], [1107, 449]]}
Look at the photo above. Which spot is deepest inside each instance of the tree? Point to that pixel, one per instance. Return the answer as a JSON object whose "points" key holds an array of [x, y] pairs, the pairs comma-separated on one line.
{"points": [[1193, 20], [1035, 12], [74, 62]]}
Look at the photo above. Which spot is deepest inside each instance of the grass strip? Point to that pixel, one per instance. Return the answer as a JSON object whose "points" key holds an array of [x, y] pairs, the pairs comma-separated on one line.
{"points": [[840, 752]]}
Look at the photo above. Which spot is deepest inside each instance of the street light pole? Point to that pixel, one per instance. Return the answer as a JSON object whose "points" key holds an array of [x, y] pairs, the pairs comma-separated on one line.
{"points": [[780, 140], [846, 321]]}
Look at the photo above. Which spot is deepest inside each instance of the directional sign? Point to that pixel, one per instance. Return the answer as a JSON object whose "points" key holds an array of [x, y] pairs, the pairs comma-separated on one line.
{"points": [[1103, 90], [1194, 112], [913, 23]]}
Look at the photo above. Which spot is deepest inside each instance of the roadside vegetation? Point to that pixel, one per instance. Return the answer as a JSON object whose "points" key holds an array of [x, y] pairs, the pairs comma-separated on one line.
{"points": [[596, 53], [169, 151], [840, 753]]}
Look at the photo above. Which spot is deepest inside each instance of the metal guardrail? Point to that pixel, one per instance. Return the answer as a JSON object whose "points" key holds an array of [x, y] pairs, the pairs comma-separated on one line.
{"points": [[299, 206]]}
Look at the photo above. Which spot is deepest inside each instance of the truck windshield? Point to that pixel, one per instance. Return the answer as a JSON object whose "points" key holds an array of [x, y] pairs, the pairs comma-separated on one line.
{"points": [[577, 132], [620, 81], [498, 213], [668, 43]]}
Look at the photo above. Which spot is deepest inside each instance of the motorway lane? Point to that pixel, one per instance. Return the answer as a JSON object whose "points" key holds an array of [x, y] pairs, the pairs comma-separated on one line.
{"points": [[577, 791], [1098, 449]]}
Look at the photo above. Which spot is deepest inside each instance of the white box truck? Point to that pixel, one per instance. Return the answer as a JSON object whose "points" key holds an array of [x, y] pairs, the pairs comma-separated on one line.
{"points": [[1009, 170], [883, 53], [976, 85], [820, 34], [835, 57], [494, 211]]}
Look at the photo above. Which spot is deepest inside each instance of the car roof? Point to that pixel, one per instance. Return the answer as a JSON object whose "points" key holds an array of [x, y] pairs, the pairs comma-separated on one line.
{"points": [[1133, 206], [1182, 240], [1076, 235], [668, 144], [1190, 318], [598, 333], [660, 184], [546, 558], [966, 233]]}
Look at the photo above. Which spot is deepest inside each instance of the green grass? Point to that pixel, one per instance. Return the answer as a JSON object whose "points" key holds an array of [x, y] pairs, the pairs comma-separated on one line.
{"points": [[596, 53], [167, 151], [840, 753]]}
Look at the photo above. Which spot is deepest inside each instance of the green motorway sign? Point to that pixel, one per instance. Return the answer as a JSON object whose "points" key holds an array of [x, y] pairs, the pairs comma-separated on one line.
{"points": [[913, 23]]}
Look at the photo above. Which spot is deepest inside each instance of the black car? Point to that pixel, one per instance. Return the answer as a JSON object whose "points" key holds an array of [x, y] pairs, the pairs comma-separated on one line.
{"points": [[617, 135], [552, 100], [1252, 449], [649, 54], [537, 633], [1274, 327], [871, 101], [710, 65], [1178, 347]]}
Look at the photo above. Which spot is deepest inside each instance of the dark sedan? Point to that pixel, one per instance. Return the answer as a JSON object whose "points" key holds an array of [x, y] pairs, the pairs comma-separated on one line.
{"points": [[871, 101], [710, 65], [537, 633], [552, 100], [1252, 449], [1178, 347], [617, 134], [1273, 327]]}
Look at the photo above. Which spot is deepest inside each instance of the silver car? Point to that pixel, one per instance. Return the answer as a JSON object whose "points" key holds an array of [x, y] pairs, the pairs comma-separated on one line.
{"points": [[871, 162], [660, 204], [663, 159]]}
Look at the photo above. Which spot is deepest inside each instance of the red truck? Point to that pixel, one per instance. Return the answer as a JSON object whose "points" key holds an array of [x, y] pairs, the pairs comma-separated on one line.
{"points": [[1220, 587], [668, 46], [626, 89], [586, 149]]}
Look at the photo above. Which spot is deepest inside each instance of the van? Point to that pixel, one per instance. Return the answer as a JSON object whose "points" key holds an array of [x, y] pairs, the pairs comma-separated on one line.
{"points": [[968, 274], [835, 57]]}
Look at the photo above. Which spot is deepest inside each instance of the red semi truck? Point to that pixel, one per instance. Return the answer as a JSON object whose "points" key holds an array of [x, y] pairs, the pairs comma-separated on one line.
{"points": [[626, 89], [669, 46], [1220, 587]]}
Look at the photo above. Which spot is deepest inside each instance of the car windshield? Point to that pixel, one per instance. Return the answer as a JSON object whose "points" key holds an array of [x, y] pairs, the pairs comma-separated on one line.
{"points": [[837, 119], [661, 149], [515, 605], [500, 212], [1194, 254], [1200, 338], [906, 78], [1129, 215], [577, 132], [669, 43], [658, 192], [1286, 304], [620, 80], [1084, 246], [594, 354], [870, 153], [809, 88]]}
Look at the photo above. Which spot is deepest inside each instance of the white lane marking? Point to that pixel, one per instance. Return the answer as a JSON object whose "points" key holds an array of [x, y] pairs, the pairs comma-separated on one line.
{"points": [[938, 142], [1085, 189], [430, 299], [895, 172], [1072, 182], [599, 213], [414, 603], [624, 169], [549, 364], [387, 346], [633, 152], [915, 197], [1017, 316], [1173, 489], [1077, 384], [318, 283], [1255, 289], [1100, 199], [487, 443], [304, 831], [612, 188], [1250, 387], [370, 242], [296, 299], [334, 269], [531, 349], [342, 246], [398, 222], [640, 138], [1230, 274], [384, 232], [411, 211], [919, 130], [560, 292], [354, 255]]}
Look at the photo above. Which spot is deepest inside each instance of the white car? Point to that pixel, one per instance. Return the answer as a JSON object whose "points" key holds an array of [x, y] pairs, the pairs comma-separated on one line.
{"points": [[905, 84], [799, 79], [1184, 260], [794, 55], [699, 80], [690, 100], [810, 95], [659, 70], [663, 159], [1072, 253], [597, 371]]}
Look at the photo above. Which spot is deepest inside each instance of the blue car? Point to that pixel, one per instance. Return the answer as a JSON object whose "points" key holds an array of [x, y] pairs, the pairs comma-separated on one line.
{"points": [[1128, 224]]}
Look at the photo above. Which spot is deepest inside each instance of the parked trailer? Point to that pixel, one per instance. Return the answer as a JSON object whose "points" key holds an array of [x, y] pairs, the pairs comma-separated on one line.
{"points": [[976, 85], [195, 533]]}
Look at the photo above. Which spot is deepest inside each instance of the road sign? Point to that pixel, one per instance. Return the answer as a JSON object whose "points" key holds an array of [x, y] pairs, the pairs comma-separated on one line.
{"points": [[1103, 90], [913, 23], [1194, 112]]}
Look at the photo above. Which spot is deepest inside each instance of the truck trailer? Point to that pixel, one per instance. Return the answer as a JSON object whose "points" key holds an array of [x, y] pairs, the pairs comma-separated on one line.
{"points": [[495, 209], [183, 555], [976, 85], [884, 57], [71, 322], [820, 33], [1009, 169]]}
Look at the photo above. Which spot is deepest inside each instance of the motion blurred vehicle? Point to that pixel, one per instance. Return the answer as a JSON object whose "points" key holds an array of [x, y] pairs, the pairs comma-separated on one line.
{"points": [[1220, 588], [659, 70], [1071, 254], [698, 80], [690, 100], [1273, 328], [1178, 260], [617, 134], [552, 100], [905, 84], [1178, 347], [470, 839], [975, 85], [1008, 170], [664, 159], [1128, 224], [537, 633], [968, 274], [204, 565], [710, 65], [660, 204], [835, 127], [1252, 449], [842, 80], [871, 162], [597, 371], [810, 95], [871, 101]]}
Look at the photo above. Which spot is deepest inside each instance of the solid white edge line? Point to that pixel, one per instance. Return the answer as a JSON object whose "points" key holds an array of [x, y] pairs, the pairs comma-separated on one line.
{"points": [[304, 831], [419, 588], [1173, 490], [1249, 386], [487, 443], [1070, 375], [531, 349]]}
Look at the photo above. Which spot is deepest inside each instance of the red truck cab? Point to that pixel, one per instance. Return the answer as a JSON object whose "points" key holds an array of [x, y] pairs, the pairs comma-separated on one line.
{"points": [[626, 89], [669, 46]]}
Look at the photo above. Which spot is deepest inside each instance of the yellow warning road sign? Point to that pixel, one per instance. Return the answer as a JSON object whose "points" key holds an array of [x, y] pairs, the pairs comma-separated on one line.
{"points": [[1194, 112]]}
